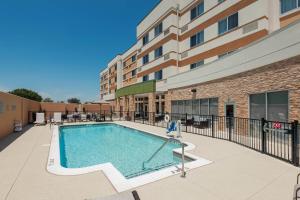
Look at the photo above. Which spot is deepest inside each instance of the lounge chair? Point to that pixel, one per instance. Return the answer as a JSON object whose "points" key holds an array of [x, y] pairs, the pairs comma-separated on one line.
{"points": [[296, 195], [121, 196], [70, 118], [57, 118], [40, 119], [83, 117]]}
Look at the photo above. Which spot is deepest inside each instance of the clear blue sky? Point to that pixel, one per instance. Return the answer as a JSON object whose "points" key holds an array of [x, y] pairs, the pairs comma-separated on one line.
{"points": [[58, 47]]}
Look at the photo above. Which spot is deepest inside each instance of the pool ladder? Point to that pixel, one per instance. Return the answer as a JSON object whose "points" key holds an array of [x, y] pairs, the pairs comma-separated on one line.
{"points": [[161, 147]]}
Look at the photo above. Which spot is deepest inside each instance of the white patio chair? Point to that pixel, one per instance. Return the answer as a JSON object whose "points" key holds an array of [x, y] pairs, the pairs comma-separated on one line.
{"points": [[40, 118], [57, 118]]}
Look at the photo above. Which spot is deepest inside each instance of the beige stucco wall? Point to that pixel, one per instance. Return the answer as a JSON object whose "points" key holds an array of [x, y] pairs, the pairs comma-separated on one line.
{"points": [[14, 108]]}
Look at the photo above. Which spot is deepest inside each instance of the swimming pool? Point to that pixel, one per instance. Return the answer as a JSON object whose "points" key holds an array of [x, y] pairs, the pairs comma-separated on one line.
{"points": [[118, 149], [127, 149]]}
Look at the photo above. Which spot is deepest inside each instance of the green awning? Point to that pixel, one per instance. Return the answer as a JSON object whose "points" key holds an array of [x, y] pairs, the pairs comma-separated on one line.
{"points": [[139, 88]]}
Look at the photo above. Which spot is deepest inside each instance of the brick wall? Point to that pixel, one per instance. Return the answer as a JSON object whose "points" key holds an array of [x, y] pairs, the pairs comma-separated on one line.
{"points": [[284, 75]]}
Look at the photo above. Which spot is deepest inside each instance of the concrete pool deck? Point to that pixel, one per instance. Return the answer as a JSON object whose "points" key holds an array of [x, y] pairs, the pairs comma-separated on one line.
{"points": [[237, 173]]}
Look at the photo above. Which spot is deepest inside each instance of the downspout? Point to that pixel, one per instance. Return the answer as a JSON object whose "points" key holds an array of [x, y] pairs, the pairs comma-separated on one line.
{"points": [[177, 61]]}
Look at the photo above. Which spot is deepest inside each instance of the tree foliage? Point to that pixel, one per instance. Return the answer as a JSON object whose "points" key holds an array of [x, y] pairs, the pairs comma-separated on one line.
{"points": [[48, 100], [74, 100], [28, 94]]}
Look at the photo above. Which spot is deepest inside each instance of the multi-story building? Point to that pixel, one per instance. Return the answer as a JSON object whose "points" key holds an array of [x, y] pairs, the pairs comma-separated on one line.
{"points": [[183, 44]]}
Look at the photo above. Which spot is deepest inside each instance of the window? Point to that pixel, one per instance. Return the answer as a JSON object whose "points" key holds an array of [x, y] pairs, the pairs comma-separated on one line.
{"points": [[225, 54], [197, 39], [133, 72], [197, 64], [221, 1], [146, 39], [115, 79], [197, 11], [158, 29], [146, 59], [133, 58], [124, 77], [145, 78], [287, 5], [228, 23], [158, 52], [196, 106], [272, 106], [158, 75]]}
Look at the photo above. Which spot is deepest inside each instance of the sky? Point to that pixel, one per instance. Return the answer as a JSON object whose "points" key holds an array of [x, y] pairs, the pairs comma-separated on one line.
{"points": [[59, 47]]}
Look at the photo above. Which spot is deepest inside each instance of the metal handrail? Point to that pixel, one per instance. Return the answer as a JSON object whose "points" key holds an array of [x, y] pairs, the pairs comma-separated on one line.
{"points": [[161, 147]]}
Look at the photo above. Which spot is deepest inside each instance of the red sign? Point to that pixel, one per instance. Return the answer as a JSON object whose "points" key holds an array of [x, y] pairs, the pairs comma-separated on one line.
{"points": [[277, 125]]}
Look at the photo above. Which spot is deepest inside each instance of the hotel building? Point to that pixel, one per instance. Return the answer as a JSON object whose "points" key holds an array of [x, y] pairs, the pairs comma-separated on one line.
{"points": [[211, 57]]}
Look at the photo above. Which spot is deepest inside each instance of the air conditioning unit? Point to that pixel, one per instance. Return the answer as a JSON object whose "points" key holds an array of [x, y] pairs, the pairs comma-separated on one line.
{"points": [[184, 28]]}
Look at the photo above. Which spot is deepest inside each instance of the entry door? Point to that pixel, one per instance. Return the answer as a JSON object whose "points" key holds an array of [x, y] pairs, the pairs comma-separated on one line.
{"points": [[230, 115]]}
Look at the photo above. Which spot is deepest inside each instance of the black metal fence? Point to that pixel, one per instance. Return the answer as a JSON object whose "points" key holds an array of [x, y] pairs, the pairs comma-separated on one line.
{"points": [[277, 139]]}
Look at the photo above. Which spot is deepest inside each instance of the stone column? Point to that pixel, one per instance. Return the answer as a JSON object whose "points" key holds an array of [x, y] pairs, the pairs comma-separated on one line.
{"points": [[131, 105], [168, 99], [151, 107]]}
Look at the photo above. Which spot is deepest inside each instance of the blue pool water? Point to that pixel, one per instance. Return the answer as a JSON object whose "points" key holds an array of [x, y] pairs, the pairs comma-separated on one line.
{"points": [[126, 148]]}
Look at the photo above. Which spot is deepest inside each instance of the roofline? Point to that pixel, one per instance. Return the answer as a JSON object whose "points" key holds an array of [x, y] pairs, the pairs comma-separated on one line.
{"points": [[149, 12]]}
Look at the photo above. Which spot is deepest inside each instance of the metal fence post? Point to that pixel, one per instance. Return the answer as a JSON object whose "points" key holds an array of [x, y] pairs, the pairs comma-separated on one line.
{"points": [[295, 151], [134, 116], [143, 117], [104, 116], [263, 135], [213, 126], [230, 127], [186, 122]]}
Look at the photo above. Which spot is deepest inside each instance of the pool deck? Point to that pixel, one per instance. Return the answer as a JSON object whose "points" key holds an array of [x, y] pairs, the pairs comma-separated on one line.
{"points": [[237, 173]]}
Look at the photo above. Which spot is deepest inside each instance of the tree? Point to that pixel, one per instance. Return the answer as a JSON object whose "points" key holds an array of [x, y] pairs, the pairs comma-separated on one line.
{"points": [[74, 100], [28, 94], [48, 100]]}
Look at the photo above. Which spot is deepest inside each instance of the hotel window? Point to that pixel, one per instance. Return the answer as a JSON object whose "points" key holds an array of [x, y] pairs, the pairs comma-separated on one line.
{"points": [[228, 23], [196, 107], [115, 79], [221, 1], [145, 78], [146, 59], [197, 39], [146, 39], [197, 64], [158, 52], [133, 58], [158, 29], [158, 75], [225, 54], [287, 5], [197, 11], [272, 106], [124, 77], [133, 72]]}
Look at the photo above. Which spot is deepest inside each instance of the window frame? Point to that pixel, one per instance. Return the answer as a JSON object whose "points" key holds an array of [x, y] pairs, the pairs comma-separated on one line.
{"points": [[158, 52], [227, 23], [146, 78], [197, 64], [197, 37], [266, 102], [194, 12], [145, 39], [158, 29], [285, 12], [160, 72], [145, 59]]}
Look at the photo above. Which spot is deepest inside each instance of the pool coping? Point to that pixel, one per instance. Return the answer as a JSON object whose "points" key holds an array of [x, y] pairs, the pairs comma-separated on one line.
{"points": [[119, 182]]}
